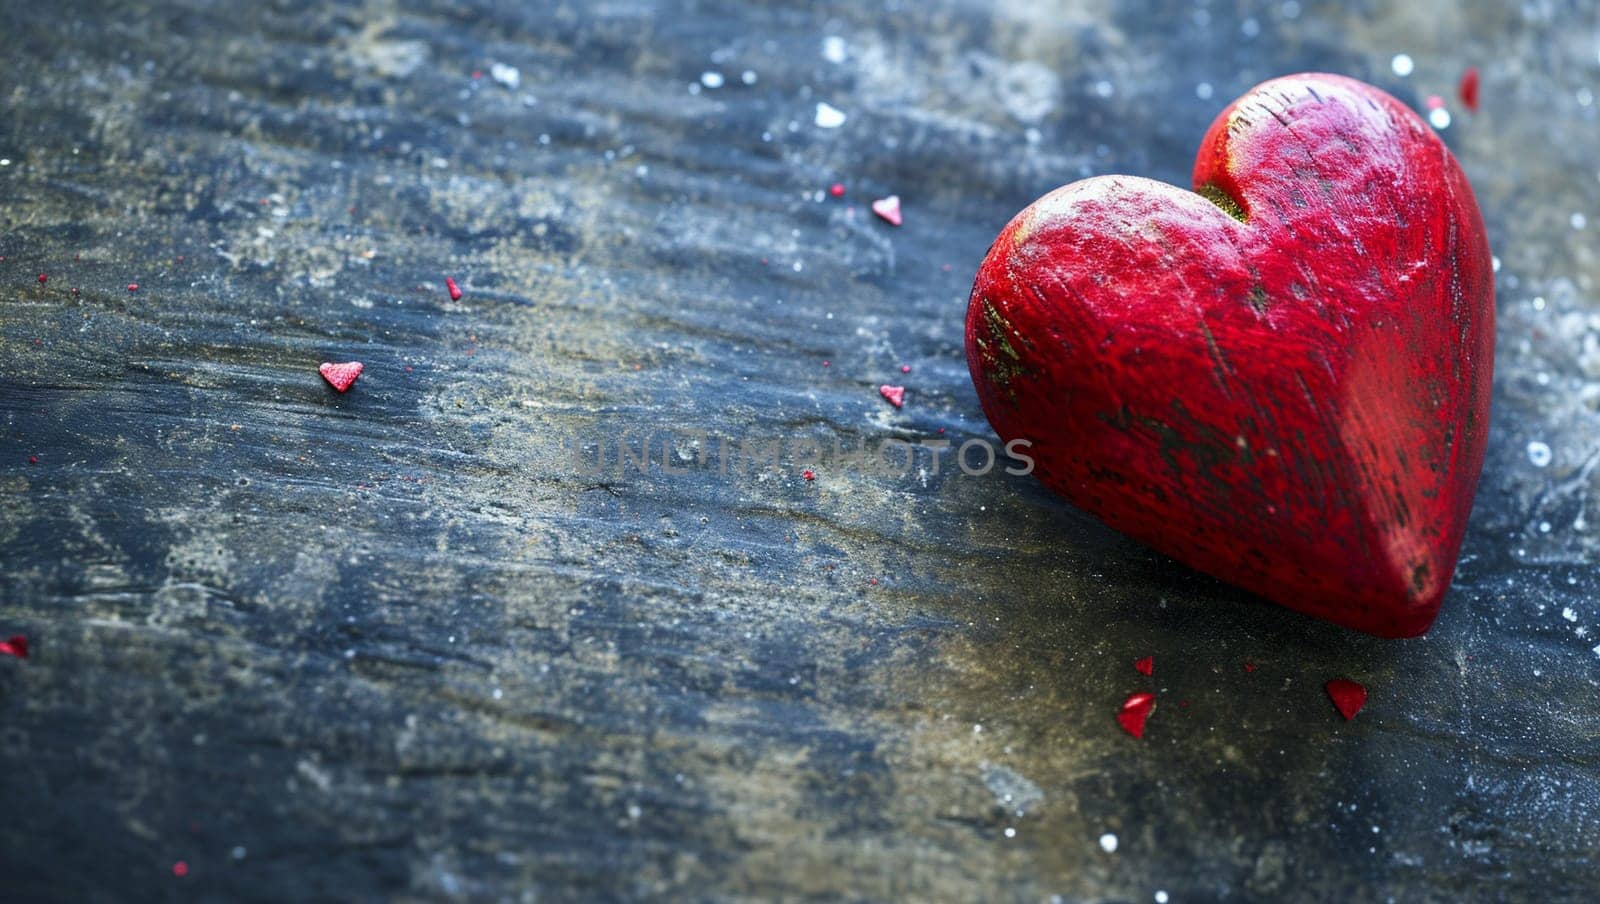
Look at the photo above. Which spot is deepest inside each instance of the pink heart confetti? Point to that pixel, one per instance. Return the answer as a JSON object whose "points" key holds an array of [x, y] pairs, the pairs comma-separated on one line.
{"points": [[1347, 696], [340, 376], [895, 394], [1135, 710], [888, 209]]}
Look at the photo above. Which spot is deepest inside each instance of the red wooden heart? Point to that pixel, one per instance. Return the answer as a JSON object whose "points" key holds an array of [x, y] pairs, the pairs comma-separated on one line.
{"points": [[1281, 378]]}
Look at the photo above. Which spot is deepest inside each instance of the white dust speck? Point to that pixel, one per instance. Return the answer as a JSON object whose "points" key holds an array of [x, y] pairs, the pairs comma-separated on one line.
{"points": [[1597, 649], [1250, 28], [5, 161], [1495, 262], [711, 79], [239, 853], [1569, 614], [1203, 90], [1440, 118], [1010, 832], [1402, 64], [505, 75], [1579, 221], [829, 116], [748, 77], [834, 49], [1108, 841], [1539, 454], [1104, 88], [1161, 896]]}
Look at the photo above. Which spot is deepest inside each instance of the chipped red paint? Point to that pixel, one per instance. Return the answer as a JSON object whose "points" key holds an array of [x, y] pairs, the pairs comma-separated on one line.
{"points": [[133, 287], [1469, 88], [888, 209], [1145, 666], [809, 474], [1281, 378], [1135, 710], [895, 394], [1347, 696], [16, 646], [44, 278], [455, 290], [340, 376]]}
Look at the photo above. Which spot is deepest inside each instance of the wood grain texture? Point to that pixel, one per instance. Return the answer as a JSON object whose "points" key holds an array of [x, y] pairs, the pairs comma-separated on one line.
{"points": [[398, 644]]}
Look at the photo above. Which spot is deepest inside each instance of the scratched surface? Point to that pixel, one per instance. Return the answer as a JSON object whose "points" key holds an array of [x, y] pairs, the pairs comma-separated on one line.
{"points": [[405, 644]]}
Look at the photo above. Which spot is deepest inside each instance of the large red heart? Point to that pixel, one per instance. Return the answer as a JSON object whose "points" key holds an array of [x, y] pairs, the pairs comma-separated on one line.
{"points": [[1280, 378]]}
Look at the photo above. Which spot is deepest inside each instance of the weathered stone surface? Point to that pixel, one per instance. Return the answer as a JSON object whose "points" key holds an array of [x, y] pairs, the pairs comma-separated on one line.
{"points": [[395, 643]]}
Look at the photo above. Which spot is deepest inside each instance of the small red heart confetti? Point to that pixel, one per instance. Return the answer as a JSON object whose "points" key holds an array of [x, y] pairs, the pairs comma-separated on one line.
{"points": [[1145, 666], [895, 394], [44, 278], [180, 869], [455, 290], [809, 474], [133, 287], [1348, 696], [888, 208], [17, 646], [1469, 88], [836, 189], [1134, 711], [340, 376]]}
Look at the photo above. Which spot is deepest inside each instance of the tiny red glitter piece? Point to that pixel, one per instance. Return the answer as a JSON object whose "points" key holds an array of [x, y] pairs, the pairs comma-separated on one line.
{"points": [[895, 394], [1435, 101], [180, 869], [836, 189], [825, 364], [44, 278], [1348, 696], [809, 474], [1134, 711], [455, 290], [1146, 665], [888, 209], [905, 368], [1249, 667], [340, 376], [33, 459], [133, 287], [17, 646], [1469, 88]]}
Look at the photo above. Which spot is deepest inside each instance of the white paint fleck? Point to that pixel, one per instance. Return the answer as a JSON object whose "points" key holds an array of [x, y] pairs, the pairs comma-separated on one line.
{"points": [[748, 77], [1569, 614], [1104, 88], [1108, 841], [1402, 64], [1203, 90], [1440, 118], [505, 75], [1539, 454], [1579, 221], [1495, 262], [834, 49], [829, 116], [1010, 832], [1538, 302], [1250, 28], [1161, 896], [711, 79]]}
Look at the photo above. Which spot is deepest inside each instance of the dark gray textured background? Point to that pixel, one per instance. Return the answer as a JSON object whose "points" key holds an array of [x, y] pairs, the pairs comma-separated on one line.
{"points": [[392, 644]]}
